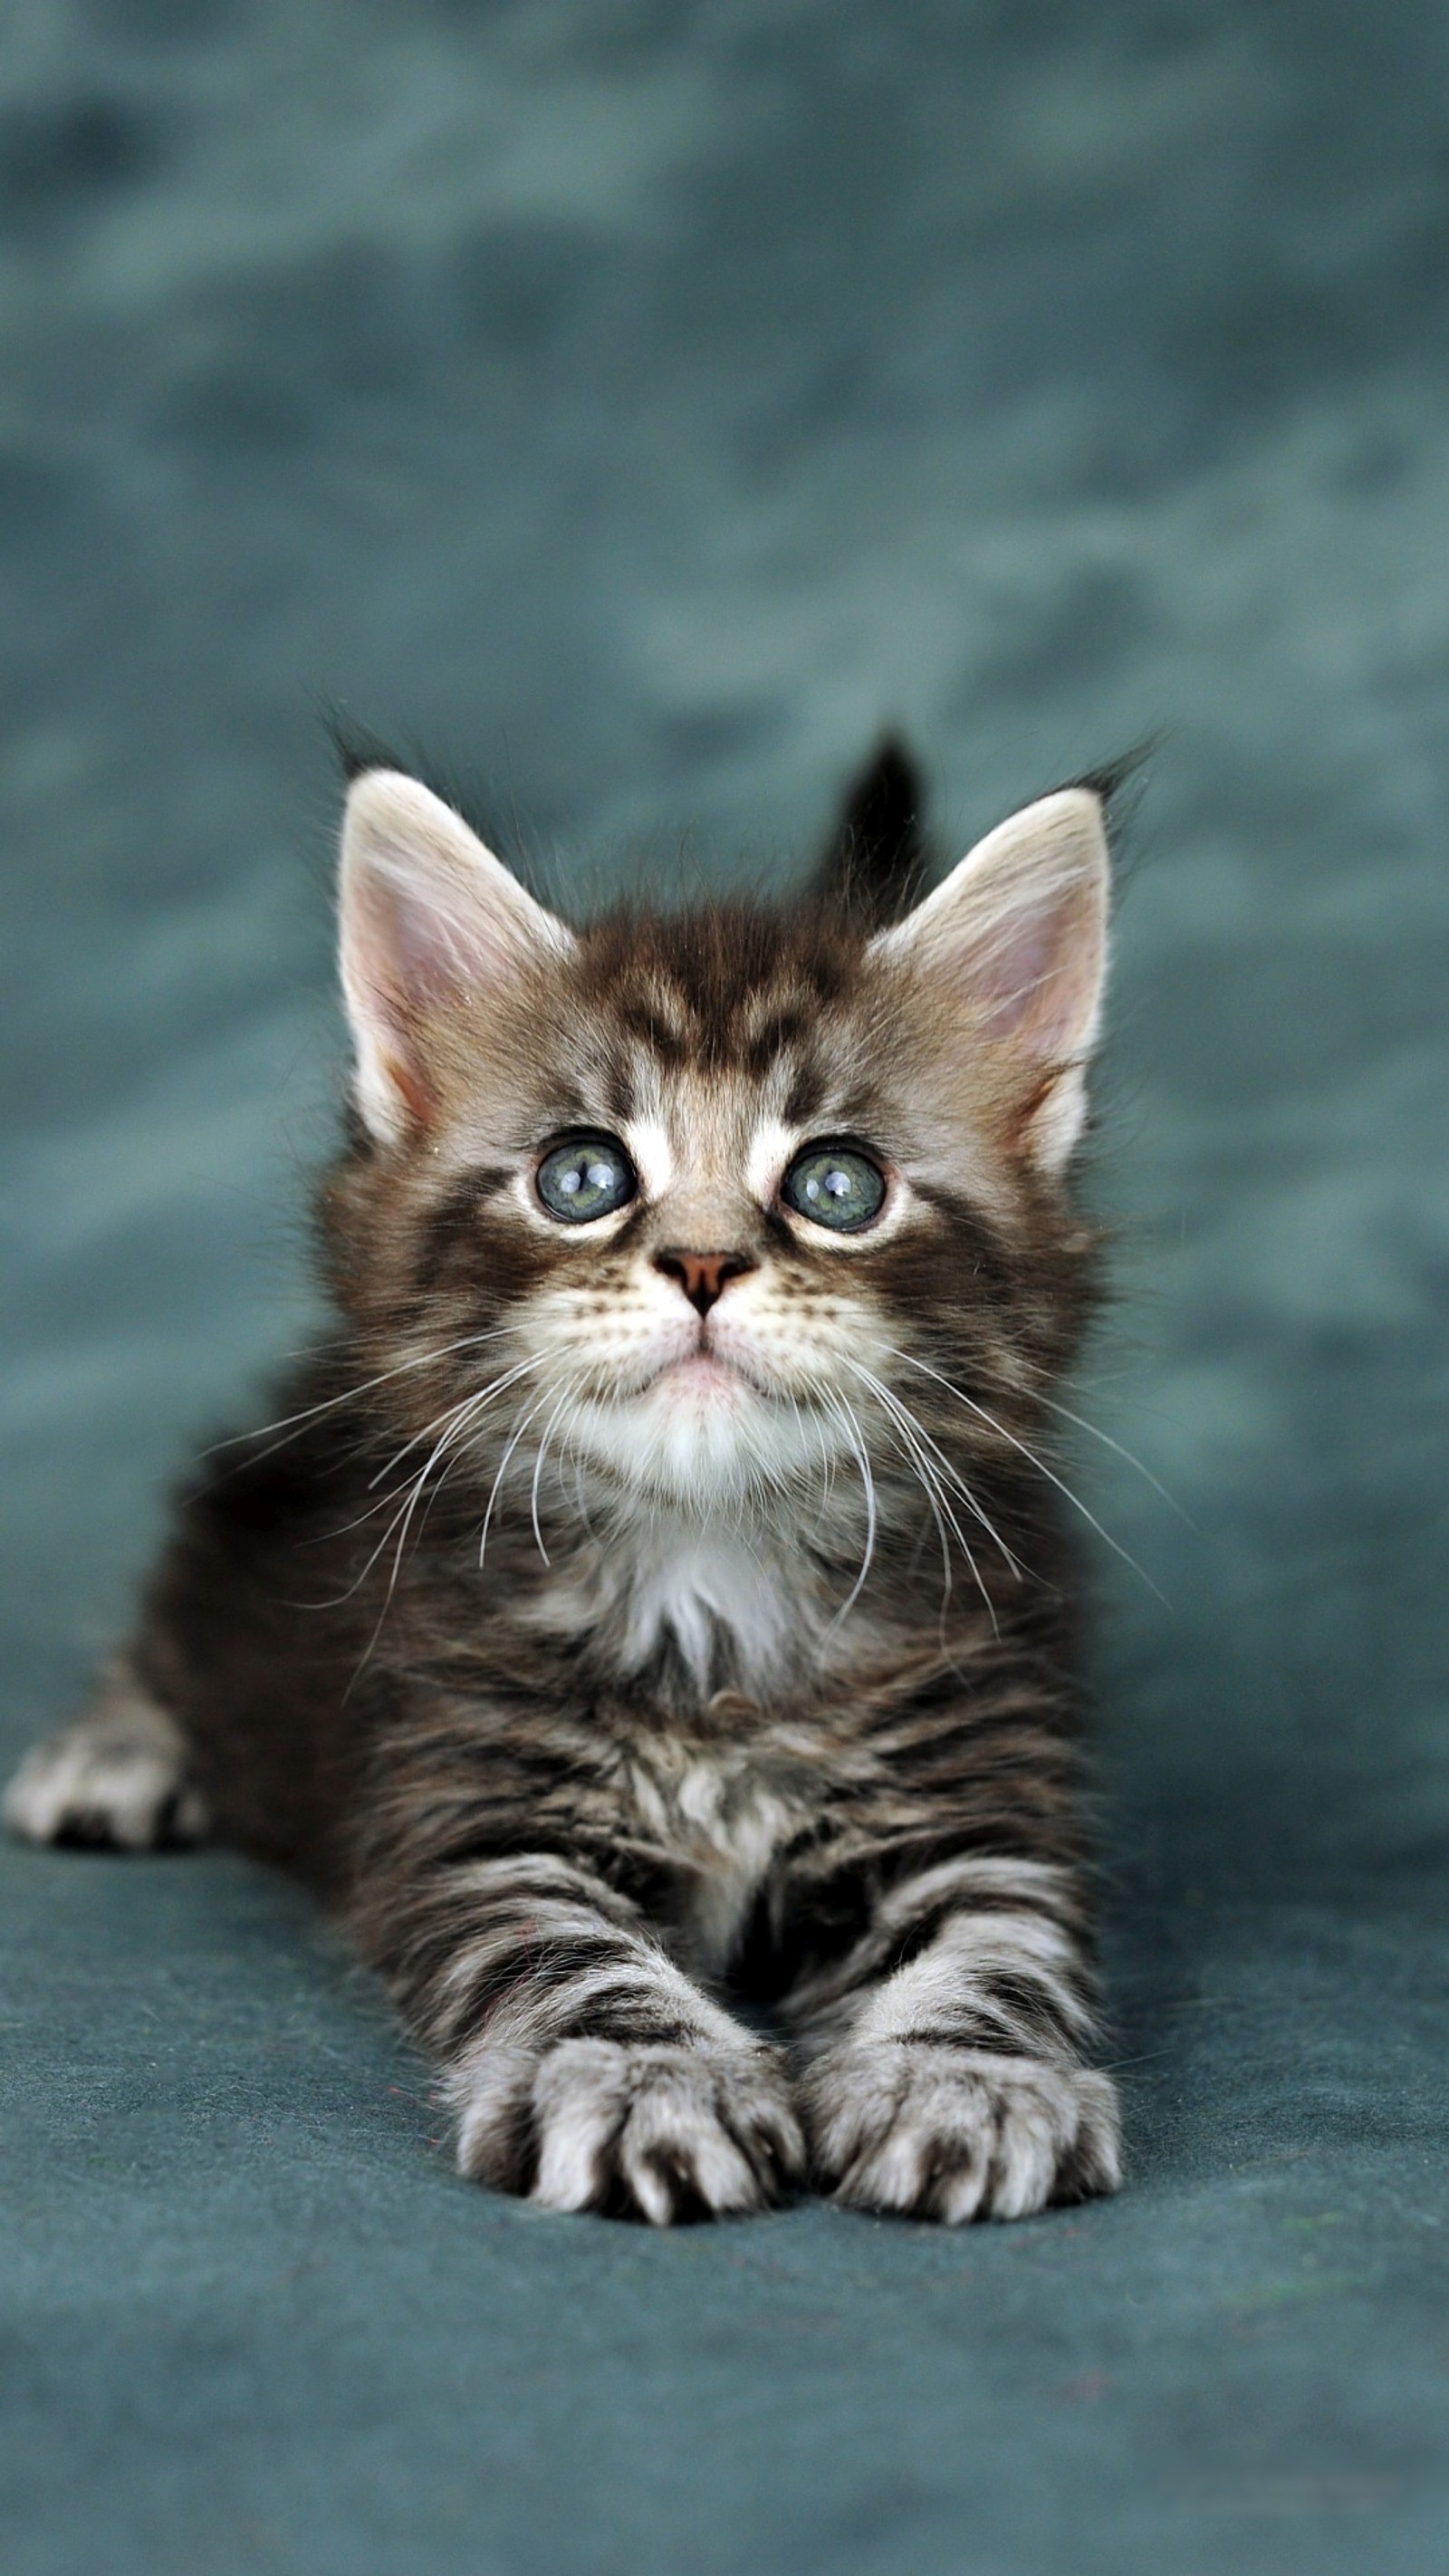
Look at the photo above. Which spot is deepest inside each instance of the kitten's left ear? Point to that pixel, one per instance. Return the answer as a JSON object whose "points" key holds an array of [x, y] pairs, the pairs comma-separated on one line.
{"points": [[1013, 949]]}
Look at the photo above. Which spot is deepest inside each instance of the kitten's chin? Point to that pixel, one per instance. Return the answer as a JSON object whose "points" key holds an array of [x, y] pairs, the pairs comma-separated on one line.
{"points": [[699, 1435]]}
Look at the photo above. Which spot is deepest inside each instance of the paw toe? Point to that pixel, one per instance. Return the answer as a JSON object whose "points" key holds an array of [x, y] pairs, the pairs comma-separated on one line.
{"points": [[660, 2133], [953, 2134]]}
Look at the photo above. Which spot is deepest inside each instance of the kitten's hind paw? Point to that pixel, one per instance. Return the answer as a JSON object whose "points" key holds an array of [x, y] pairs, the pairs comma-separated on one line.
{"points": [[663, 2133], [927, 2130], [119, 1780]]}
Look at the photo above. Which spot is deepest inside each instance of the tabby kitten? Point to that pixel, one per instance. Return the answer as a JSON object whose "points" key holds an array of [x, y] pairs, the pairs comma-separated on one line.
{"points": [[654, 1591]]}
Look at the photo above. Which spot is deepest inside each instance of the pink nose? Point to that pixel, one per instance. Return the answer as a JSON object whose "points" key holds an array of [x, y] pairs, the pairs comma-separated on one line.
{"points": [[703, 1276]]}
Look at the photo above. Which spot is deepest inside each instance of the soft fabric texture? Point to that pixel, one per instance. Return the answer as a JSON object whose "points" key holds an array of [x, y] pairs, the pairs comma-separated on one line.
{"points": [[640, 407]]}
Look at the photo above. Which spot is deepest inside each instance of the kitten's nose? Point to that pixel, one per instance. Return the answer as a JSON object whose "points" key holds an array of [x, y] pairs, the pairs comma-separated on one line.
{"points": [[704, 1276]]}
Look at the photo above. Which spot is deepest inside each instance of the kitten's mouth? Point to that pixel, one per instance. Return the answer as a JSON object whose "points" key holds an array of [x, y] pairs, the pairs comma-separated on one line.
{"points": [[707, 1374], [702, 1372]]}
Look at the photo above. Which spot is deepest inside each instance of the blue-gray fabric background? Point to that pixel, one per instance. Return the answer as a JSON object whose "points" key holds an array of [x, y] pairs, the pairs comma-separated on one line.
{"points": [[639, 403]]}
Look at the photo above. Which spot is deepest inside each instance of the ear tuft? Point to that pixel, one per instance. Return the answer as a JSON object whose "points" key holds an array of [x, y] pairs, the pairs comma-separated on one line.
{"points": [[355, 746], [874, 866], [430, 921], [1013, 945]]}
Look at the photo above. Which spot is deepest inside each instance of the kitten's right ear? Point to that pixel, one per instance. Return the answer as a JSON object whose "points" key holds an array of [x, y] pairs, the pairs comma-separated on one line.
{"points": [[429, 921]]}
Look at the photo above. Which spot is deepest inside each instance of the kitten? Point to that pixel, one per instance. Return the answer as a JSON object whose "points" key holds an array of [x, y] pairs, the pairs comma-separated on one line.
{"points": [[655, 1589]]}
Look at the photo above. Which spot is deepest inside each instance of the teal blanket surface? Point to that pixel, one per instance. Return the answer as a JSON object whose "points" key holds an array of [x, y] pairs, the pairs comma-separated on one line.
{"points": [[639, 404]]}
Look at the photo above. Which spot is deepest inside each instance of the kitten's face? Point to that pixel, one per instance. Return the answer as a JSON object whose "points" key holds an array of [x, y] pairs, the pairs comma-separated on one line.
{"points": [[704, 1337], [692, 1290], [710, 1188]]}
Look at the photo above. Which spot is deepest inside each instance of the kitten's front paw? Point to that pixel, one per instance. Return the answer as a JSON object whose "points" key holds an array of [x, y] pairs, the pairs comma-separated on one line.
{"points": [[662, 2133], [118, 1780], [928, 2130]]}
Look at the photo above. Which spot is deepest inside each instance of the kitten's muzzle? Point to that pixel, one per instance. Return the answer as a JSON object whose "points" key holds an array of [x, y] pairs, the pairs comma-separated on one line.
{"points": [[704, 1276]]}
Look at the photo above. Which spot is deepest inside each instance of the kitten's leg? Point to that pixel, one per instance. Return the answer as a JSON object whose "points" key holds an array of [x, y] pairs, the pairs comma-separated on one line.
{"points": [[946, 2077], [585, 2070], [119, 1778]]}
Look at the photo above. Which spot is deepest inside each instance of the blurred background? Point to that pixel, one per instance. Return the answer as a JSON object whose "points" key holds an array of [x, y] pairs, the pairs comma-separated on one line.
{"points": [[638, 405]]}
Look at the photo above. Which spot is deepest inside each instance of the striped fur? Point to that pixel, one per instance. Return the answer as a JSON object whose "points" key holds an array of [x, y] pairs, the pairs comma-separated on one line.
{"points": [[603, 1659]]}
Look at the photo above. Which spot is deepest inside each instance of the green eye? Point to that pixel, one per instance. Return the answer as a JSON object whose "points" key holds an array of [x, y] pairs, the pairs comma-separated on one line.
{"points": [[584, 1177], [834, 1185]]}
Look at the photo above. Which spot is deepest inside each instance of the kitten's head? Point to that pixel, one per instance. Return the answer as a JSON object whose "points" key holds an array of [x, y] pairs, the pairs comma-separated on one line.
{"points": [[704, 1201]]}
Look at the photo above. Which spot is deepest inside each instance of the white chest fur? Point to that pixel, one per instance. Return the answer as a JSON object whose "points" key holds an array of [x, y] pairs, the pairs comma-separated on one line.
{"points": [[698, 1588], [698, 1585]]}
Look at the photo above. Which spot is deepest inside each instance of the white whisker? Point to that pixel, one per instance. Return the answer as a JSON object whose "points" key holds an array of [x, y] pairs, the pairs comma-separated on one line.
{"points": [[1040, 1465], [1082, 1424], [503, 1467], [457, 1416], [839, 1405], [479, 1396], [538, 1471], [947, 1469], [293, 1422], [910, 1435]]}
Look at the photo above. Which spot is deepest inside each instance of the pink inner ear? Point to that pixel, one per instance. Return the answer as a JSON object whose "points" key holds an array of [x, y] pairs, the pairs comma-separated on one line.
{"points": [[1036, 972], [406, 960], [418, 955], [1011, 978], [393, 981]]}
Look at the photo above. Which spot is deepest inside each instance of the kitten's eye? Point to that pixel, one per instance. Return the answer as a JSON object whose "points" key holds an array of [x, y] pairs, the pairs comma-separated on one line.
{"points": [[834, 1185], [584, 1177]]}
